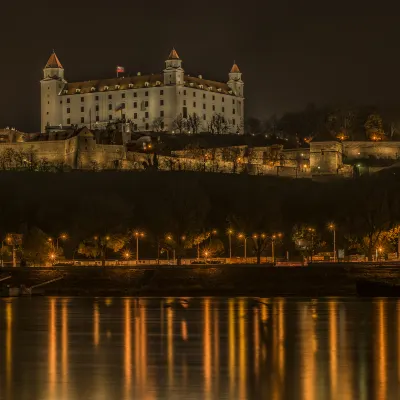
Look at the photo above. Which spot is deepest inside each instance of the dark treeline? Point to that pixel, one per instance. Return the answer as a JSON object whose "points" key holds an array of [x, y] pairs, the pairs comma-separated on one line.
{"points": [[85, 204], [343, 122]]}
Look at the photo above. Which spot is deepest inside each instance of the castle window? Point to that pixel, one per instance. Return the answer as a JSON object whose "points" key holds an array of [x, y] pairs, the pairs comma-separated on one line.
{"points": [[97, 118], [77, 90], [204, 106], [82, 109], [65, 91], [161, 102], [135, 116], [117, 86], [223, 109], [147, 126], [105, 87], [233, 111], [110, 117], [204, 95], [184, 102], [213, 98], [48, 102], [97, 108], [213, 108], [185, 113], [146, 93], [135, 94], [47, 113], [161, 92], [146, 84], [161, 113], [146, 114], [162, 124], [194, 94], [109, 96], [184, 92], [204, 117], [146, 103], [68, 121], [97, 98], [82, 99], [92, 88], [68, 111], [60, 101], [158, 83], [233, 122], [68, 100], [123, 95], [201, 86], [123, 116], [130, 86], [135, 104], [82, 120], [233, 101], [110, 106], [223, 99], [135, 127], [194, 104]]}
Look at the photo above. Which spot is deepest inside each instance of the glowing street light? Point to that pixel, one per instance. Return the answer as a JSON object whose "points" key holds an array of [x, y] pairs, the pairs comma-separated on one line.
{"points": [[273, 237], [230, 232], [332, 227], [206, 254], [63, 236], [52, 257], [244, 237], [137, 235], [127, 254]]}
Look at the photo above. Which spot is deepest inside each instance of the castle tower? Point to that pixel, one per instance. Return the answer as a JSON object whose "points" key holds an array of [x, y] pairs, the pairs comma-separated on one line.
{"points": [[235, 80], [173, 72], [51, 85]]}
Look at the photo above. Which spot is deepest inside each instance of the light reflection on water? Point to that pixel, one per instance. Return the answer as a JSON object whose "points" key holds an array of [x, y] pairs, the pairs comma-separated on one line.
{"points": [[203, 348]]}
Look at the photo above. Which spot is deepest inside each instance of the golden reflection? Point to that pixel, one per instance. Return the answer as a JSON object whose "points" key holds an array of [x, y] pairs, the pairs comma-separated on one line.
{"points": [[64, 345], [264, 319], [346, 371], [381, 349], [184, 330], [281, 338], [242, 350], [256, 341], [207, 346], [232, 346], [137, 342], [170, 339], [9, 333], [143, 342], [216, 340], [52, 346], [333, 348], [128, 348], [398, 340], [309, 345], [96, 324]]}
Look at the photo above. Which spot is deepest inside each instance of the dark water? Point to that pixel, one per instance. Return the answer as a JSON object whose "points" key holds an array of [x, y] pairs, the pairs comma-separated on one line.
{"points": [[207, 348]]}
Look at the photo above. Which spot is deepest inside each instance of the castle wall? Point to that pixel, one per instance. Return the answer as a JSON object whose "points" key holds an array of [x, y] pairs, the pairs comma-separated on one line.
{"points": [[325, 157], [362, 150]]}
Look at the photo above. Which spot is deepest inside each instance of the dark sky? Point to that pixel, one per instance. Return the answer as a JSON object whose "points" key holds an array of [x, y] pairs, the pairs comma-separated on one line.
{"points": [[291, 52]]}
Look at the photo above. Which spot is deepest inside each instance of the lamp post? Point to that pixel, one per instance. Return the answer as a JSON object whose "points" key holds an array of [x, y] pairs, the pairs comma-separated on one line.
{"points": [[230, 232], [273, 237], [138, 235], [332, 227], [312, 230], [63, 236], [206, 254], [244, 237]]}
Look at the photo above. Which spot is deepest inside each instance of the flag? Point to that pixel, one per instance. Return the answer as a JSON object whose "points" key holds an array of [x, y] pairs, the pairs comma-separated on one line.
{"points": [[120, 70]]}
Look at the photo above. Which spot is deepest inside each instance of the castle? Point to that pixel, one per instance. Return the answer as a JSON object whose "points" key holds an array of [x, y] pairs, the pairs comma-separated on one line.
{"points": [[150, 102]]}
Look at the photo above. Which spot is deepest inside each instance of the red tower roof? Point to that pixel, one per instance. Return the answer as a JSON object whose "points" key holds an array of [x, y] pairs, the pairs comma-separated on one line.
{"points": [[53, 62]]}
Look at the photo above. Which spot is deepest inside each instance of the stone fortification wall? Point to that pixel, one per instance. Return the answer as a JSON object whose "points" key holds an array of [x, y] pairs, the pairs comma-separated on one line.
{"points": [[325, 157], [363, 150]]}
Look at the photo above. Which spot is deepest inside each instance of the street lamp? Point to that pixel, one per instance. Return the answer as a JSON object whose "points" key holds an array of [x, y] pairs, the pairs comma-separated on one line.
{"points": [[332, 227], [274, 236], [52, 257], [170, 238], [230, 232], [63, 236], [206, 254], [244, 237], [127, 254], [138, 235]]}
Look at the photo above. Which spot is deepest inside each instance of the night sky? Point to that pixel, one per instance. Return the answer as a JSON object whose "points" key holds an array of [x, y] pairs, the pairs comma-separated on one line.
{"points": [[291, 52]]}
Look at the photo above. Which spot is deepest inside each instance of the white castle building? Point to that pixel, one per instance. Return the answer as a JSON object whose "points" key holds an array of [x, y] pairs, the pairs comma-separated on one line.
{"points": [[147, 101]]}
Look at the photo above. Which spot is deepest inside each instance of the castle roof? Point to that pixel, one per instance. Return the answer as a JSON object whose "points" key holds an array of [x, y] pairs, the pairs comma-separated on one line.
{"points": [[141, 81], [173, 55], [235, 68], [53, 62]]}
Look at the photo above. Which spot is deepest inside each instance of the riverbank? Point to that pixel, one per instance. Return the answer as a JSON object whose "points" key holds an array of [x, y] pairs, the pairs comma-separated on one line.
{"points": [[242, 280]]}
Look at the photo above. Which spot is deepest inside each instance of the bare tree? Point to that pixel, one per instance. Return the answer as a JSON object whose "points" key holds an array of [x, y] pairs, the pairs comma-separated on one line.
{"points": [[158, 124], [179, 124], [218, 124], [193, 123]]}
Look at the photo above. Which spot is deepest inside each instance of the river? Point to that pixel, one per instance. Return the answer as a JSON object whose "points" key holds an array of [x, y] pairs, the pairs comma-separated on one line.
{"points": [[199, 348]]}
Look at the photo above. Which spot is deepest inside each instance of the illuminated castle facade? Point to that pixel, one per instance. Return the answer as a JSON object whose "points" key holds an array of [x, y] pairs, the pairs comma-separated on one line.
{"points": [[148, 102]]}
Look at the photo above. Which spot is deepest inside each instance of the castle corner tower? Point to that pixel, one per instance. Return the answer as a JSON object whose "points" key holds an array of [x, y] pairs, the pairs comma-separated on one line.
{"points": [[51, 86], [173, 72]]}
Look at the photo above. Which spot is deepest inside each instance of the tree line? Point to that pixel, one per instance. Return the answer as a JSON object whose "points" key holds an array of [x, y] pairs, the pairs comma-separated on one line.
{"points": [[189, 206]]}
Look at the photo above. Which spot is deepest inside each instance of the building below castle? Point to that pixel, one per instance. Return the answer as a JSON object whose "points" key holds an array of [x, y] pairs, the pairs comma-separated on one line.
{"points": [[155, 102]]}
